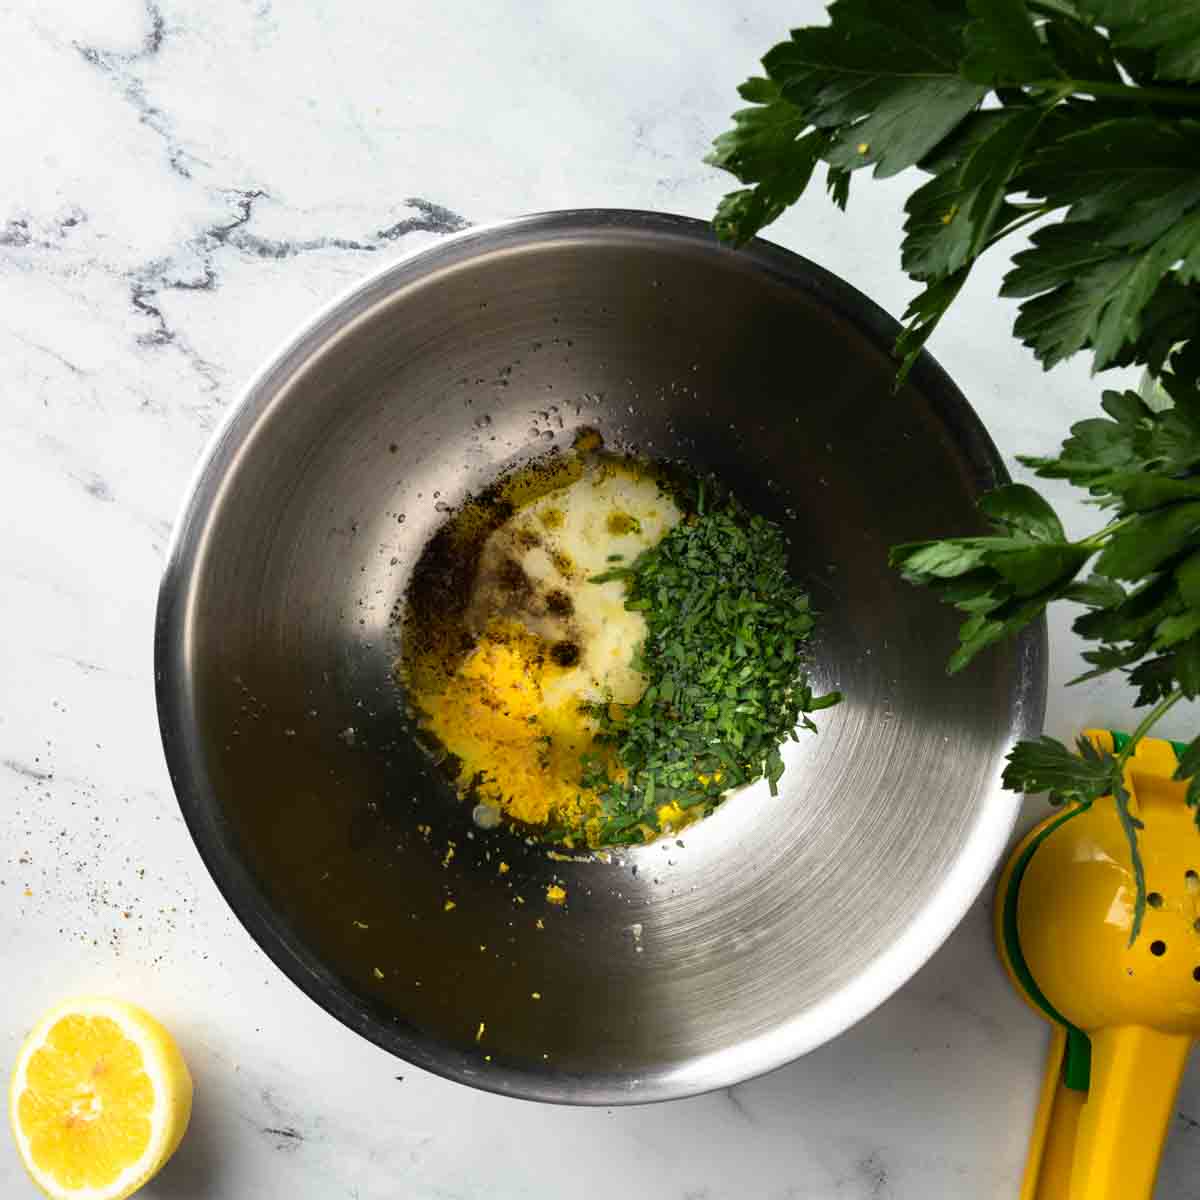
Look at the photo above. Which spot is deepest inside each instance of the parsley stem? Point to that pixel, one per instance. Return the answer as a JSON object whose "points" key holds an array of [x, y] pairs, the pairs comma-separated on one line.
{"points": [[1097, 540], [1032, 214], [1053, 8], [1147, 723], [1119, 91]]}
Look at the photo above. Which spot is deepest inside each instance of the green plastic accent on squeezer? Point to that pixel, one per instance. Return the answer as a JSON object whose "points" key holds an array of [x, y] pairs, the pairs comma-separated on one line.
{"points": [[1121, 740], [1077, 1061]]}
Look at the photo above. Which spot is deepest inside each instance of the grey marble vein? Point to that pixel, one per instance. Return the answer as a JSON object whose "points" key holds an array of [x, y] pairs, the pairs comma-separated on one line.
{"points": [[194, 266], [120, 68]]}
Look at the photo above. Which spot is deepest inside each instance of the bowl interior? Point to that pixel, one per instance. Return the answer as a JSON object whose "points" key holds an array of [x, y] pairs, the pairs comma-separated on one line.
{"points": [[674, 967]]}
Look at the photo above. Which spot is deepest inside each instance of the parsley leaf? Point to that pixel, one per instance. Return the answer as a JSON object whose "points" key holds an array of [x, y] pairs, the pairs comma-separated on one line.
{"points": [[1132, 192], [1130, 826], [951, 216], [1046, 765], [878, 86], [1150, 540], [1165, 28], [769, 148], [882, 77], [1004, 581], [1116, 458], [1170, 317], [1189, 769], [1136, 173], [1079, 50], [922, 315], [1002, 45]]}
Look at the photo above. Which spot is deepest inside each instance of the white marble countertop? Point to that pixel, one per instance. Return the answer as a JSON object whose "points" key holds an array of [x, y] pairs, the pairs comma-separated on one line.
{"points": [[182, 184]]}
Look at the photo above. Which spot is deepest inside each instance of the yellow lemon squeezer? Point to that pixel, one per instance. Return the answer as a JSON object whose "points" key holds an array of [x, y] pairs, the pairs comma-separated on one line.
{"points": [[1124, 1016]]}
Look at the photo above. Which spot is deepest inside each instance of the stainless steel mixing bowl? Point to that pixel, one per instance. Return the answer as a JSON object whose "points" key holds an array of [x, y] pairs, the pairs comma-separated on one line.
{"points": [[678, 967]]}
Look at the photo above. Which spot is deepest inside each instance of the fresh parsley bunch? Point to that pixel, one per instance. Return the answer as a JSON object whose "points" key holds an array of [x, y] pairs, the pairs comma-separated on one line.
{"points": [[1084, 117], [1141, 597], [1088, 109]]}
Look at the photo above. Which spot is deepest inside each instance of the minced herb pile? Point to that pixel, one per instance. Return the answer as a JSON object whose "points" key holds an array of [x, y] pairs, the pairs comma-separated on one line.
{"points": [[724, 656]]}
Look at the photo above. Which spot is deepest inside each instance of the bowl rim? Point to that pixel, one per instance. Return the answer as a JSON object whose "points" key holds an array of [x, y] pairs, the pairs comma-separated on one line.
{"points": [[933, 922]]}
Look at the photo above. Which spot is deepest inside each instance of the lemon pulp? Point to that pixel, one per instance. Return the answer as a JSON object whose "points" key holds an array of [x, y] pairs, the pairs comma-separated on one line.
{"points": [[100, 1098]]}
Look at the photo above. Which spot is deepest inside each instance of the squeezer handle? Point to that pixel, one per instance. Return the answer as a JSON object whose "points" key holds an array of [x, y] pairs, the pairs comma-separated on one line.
{"points": [[1106, 1143]]}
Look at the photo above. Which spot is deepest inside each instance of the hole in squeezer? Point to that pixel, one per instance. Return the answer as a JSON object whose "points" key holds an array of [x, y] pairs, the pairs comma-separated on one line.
{"points": [[1196, 974], [1155, 900], [1158, 949], [1192, 880]]}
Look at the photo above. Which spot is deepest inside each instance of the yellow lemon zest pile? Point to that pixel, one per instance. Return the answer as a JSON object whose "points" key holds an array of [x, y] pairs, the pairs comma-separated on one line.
{"points": [[517, 754]]}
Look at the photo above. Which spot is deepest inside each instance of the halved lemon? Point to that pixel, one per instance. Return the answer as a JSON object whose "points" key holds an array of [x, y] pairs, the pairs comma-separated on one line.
{"points": [[100, 1099]]}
